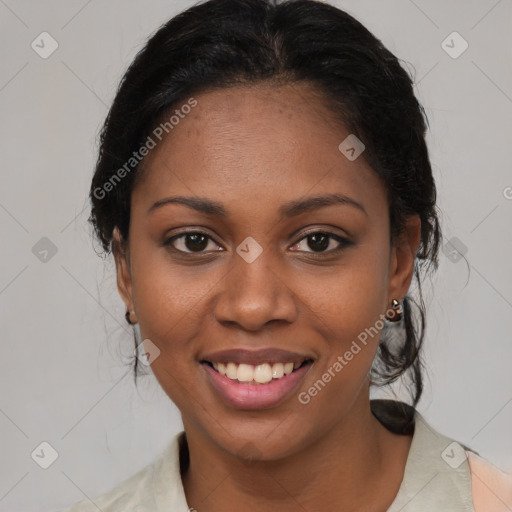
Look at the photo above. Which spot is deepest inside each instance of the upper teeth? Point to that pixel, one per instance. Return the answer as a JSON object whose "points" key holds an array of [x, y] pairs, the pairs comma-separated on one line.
{"points": [[261, 373]]}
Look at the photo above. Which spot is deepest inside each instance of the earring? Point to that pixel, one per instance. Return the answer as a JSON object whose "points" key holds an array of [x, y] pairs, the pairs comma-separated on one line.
{"points": [[127, 317], [397, 311]]}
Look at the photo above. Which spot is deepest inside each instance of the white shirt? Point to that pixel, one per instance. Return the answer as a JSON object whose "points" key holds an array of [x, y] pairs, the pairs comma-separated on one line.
{"points": [[441, 475]]}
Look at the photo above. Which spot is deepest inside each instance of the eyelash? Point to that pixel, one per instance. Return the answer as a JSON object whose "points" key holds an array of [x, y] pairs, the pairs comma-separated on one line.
{"points": [[342, 241]]}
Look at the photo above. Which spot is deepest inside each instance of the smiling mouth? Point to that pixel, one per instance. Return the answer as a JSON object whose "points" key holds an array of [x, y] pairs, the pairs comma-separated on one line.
{"points": [[256, 374]]}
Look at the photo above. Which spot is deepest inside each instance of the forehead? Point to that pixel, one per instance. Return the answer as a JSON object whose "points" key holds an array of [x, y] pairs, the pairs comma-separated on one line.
{"points": [[259, 142]]}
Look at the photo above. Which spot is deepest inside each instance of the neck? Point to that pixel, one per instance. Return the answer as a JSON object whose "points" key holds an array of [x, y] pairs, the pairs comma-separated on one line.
{"points": [[347, 467]]}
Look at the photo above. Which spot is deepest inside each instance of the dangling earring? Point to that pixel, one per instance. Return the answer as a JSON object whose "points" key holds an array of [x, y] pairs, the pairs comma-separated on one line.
{"points": [[397, 311], [127, 317]]}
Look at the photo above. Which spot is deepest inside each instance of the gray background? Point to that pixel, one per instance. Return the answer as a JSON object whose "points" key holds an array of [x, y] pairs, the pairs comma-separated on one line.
{"points": [[64, 339]]}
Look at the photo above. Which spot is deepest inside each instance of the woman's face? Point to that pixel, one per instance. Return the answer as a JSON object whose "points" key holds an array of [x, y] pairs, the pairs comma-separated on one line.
{"points": [[259, 278]]}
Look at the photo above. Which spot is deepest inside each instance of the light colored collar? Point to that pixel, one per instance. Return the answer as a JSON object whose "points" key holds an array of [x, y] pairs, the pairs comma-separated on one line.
{"points": [[436, 475]]}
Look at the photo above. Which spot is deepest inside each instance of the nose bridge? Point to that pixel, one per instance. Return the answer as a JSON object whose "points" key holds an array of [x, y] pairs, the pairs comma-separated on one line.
{"points": [[253, 292]]}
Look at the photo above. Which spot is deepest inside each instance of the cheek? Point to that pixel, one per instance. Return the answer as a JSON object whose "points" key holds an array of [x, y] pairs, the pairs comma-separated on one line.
{"points": [[348, 309], [171, 302], [352, 339], [170, 321], [352, 297]]}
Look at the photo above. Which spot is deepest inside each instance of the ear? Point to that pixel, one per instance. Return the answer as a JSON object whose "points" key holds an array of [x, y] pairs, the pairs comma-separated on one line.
{"points": [[403, 256], [123, 271]]}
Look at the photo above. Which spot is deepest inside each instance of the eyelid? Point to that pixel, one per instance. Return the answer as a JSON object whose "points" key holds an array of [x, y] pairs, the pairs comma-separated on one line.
{"points": [[324, 230]]}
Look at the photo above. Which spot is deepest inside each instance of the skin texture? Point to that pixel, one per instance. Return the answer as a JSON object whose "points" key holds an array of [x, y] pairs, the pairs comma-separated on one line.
{"points": [[253, 149]]}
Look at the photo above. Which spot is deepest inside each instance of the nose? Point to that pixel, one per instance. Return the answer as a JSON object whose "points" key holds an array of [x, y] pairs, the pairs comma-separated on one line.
{"points": [[254, 294]]}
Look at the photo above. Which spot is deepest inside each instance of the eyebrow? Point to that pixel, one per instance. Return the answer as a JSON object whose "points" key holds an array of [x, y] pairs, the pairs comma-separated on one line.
{"points": [[288, 210]]}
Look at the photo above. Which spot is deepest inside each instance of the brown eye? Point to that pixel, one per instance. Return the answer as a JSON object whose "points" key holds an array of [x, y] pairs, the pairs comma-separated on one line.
{"points": [[190, 242], [320, 241]]}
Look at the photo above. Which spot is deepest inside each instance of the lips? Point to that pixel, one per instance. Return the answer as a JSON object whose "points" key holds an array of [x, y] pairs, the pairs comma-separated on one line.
{"points": [[256, 357], [255, 379]]}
